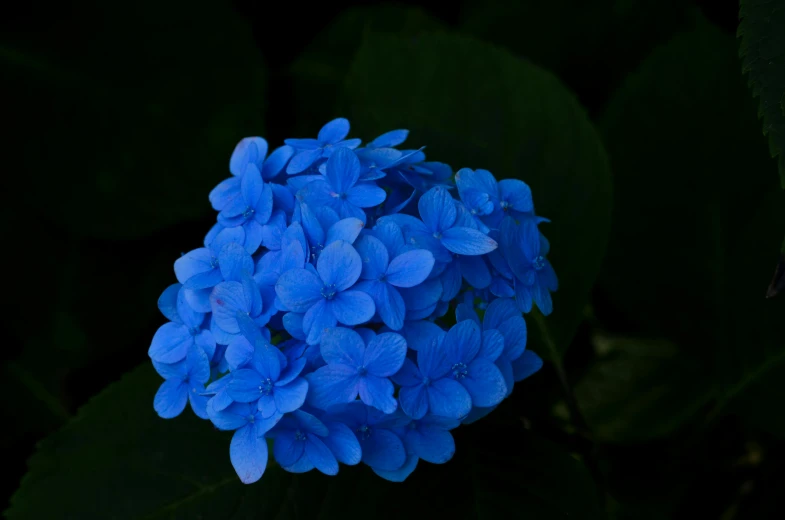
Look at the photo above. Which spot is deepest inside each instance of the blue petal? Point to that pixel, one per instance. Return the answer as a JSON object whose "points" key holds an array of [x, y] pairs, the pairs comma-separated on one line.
{"points": [[339, 265], [475, 271], [239, 353], [299, 289], [320, 456], [252, 186], [484, 383], [188, 316], [347, 230], [170, 343], [318, 318], [283, 198], [542, 297], [410, 268], [353, 307], [517, 193], [422, 296], [526, 365], [448, 398], [171, 398], [499, 311], [384, 354], [465, 311], [228, 301], [391, 138], [192, 263], [343, 443], [275, 164], [523, 297], [234, 262], [205, 280], [408, 375], [462, 342], [343, 170], [374, 257], [389, 304], [400, 474], [421, 333], [250, 150], [332, 384], [467, 241], [342, 346], [244, 385], [287, 449], [198, 403], [225, 193], [437, 209], [480, 180], [291, 397], [378, 392], [303, 144], [514, 332], [433, 445], [334, 131], [311, 225], [414, 401], [198, 365], [248, 454], [177, 370], [232, 417], [383, 450], [366, 195], [451, 281], [293, 324], [303, 160], [390, 235], [492, 345], [347, 143], [167, 303]]}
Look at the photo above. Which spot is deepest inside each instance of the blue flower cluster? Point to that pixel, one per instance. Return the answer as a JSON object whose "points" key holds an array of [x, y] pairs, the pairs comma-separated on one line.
{"points": [[316, 316]]}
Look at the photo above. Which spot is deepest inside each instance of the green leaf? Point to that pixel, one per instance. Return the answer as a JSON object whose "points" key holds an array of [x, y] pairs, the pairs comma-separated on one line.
{"points": [[762, 49], [476, 106], [690, 251], [777, 284], [143, 109], [118, 459], [320, 70], [638, 390]]}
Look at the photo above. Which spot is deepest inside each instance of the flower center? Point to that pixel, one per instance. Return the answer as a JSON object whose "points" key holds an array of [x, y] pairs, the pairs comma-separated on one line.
{"points": [[213, 263], [426, 381], [266, 388], [299, 436], [249, 211], [251, 418], [329, 292], [459, 370], [362, 371], [364, 431], [437, 235], [194, 331], [505, 205], [538, 263]]}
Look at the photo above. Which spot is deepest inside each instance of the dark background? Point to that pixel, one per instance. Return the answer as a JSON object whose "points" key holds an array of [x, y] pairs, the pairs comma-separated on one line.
{"points": [[83, 268]]}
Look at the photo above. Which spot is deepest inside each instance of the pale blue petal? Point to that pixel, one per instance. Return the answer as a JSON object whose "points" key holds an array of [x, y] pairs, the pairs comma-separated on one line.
{"points": [[192, 263], [250, 150], [239, 353], [248, 454], [234, 262], [252, 185], [170, 343], [225, 193], [171, 398], [334, 131], [167, 303], [467, 241], [228, 301]]}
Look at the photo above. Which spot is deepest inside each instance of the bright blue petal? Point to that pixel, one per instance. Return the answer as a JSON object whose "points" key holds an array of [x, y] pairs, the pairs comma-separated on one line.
{"points": [[517, 194], [277, 161], [384, 354], [377, 392], [170, 343], [414, 401], [410, 268], [319, 318], [437, 209], [299, 289], [287, 449], [432, 357], [389, 304], [526, 365], [467, 241], [339, 265], [342, 346], [353, 307], [480, 180], [303, 144], [225, 193], [342, 443], [391, 138], [250, 150], [293, 324], [192, 263], [244, 386], [390, 235], [248, 454], [198, 366], [383, 450], [228, 302], [334, 131], [462, 342], [347, 230], [239, 353], [485, 383], [234, 262], [366, 195], [303, 160], [167, 303], [332, 384], [171, 398], [343, 170], [374, 257], [231, 418], [291, 397], [448, 398], [492, 345], [408, 375]]}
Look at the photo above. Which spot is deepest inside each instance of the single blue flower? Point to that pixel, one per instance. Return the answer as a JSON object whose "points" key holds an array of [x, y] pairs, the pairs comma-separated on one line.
{"points": [[429, 386], [525, 250], [330, 139], [323, 226], [339, 188], [252, 210], [291, 255], [428, 439], [184, 382], [438, 232], [239, 308], [268, 380], [354, 368], [173, 340], [303, 442], [382, 275], [381, 447], [248, 449], [490, 201], [324, 294]]}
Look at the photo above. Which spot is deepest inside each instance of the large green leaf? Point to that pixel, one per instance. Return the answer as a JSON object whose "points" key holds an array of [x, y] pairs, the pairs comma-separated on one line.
{"points": [[144, 102], [762, 34], [318, 73], [474, 105], [693, 232], [117, 459], [638, 390]]}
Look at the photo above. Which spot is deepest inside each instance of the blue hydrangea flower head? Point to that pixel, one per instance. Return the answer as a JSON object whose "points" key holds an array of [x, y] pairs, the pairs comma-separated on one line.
{"points": [[352, 304]]}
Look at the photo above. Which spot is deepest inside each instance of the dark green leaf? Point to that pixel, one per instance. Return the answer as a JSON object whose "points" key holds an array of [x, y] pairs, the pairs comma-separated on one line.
{"points": [[638, 390], [762, 34], [777, 284], [320, 71], [144, 103], [474, 105], [691, 243]]}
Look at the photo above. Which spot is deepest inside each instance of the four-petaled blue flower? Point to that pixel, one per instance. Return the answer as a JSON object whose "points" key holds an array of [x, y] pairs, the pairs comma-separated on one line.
{"points": [[184, 382], [330, 139], [356, 368], [248, 449], [173, 339]]}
